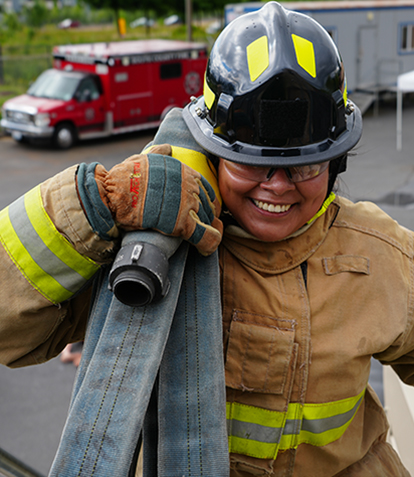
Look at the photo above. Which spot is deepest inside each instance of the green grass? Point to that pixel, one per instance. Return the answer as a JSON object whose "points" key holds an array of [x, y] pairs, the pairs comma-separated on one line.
{"points": [[28, 51], [51, 35]]}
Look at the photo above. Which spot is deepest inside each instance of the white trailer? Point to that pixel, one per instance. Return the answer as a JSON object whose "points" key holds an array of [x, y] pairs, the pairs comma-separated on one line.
{"points": [[375, 38]]}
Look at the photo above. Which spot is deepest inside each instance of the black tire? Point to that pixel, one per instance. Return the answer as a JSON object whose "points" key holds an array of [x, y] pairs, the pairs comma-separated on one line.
{"points": [[64, 136]]}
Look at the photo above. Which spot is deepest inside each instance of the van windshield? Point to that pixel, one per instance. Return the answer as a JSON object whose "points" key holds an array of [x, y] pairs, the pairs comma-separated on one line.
{"points": [[55, 84]]}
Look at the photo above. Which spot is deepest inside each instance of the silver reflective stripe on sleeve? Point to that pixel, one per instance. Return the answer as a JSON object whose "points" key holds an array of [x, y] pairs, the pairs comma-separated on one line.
{"points": [[42, 254]]}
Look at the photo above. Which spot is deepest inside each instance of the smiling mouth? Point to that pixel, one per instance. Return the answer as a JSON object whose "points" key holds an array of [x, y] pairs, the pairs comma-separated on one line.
{"points": [[277, 209]]}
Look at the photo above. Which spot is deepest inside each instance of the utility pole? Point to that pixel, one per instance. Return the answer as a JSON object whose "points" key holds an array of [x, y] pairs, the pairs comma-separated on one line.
{"points": [[188, 18]]}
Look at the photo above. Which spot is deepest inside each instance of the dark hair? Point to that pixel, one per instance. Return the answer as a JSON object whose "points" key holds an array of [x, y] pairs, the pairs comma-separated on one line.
{"points": [[336, 166]]}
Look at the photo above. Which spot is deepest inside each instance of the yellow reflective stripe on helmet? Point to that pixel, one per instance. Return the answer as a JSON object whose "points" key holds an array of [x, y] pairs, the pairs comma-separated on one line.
{"points": [[209, 96], [42, 254], [305, 54], [262, 433], [257, 57], [345, 93]]}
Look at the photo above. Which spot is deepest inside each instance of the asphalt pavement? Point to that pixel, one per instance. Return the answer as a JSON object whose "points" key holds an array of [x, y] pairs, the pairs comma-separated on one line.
{"points": [[34, 401], [376, 170]]}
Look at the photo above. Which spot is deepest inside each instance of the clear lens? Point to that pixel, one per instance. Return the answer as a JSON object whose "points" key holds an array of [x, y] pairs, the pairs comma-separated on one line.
{"points": [[264, 174], [304, 173]]}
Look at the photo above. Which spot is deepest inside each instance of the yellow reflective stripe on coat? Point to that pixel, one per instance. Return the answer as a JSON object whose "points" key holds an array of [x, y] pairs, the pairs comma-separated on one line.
{"points": [[199, 162], [262, 433], [43, 255]]}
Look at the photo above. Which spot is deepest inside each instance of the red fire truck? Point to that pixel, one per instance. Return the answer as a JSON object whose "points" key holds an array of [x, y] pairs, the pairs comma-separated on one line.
{"points": [[99, 89]]}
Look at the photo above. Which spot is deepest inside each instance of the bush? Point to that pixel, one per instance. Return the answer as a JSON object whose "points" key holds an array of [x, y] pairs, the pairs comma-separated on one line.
{"points": [[12, 23], [180, 33], [23, 72]]}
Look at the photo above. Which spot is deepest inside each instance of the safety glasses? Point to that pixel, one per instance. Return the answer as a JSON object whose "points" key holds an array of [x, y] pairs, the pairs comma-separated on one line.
{"points": [[264, 174]]}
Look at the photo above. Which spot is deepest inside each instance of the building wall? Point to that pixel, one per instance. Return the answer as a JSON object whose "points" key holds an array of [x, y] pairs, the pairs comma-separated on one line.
{"points": [[369, 38], [370, 44]]}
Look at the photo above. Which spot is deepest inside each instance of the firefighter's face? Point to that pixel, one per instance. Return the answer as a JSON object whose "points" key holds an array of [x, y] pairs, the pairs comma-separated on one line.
{"points": [[275, 209]]}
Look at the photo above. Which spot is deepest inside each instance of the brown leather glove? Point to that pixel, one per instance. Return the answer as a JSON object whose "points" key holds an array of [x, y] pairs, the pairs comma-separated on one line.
{"points": [[156, 191]]}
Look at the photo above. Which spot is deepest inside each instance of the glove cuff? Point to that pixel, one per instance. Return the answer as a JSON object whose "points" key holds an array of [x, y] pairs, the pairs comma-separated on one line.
{"points": [[98, 214]]}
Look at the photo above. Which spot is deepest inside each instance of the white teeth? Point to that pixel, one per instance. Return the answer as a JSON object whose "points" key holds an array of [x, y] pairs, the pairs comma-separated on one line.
{"points": [[272, 208]]}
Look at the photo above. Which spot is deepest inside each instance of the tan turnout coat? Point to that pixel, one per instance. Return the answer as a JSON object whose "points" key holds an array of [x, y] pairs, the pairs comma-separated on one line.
{"points": [[301, 320]]}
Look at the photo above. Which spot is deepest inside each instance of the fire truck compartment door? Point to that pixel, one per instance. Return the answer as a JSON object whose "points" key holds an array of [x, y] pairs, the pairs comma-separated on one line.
{"points": [[134, 94]]}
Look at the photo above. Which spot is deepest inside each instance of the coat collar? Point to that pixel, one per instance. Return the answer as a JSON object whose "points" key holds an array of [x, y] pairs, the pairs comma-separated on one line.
{"points": [[281, 256]]}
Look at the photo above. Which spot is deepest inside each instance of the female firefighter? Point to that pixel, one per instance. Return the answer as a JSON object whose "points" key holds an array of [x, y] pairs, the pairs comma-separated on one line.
{"points": [[312, 284]]}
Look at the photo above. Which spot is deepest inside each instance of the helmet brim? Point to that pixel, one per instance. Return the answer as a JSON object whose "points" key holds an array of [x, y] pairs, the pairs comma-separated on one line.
{"points": [[327, 150]]}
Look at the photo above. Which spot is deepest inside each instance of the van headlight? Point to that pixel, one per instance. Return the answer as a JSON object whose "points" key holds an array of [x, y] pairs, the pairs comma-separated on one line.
{"points": [[41, 120]]}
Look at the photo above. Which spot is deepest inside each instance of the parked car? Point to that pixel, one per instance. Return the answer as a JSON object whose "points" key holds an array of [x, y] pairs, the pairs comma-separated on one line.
{"points": [[173, 20], [142, 21], [68, 23]]}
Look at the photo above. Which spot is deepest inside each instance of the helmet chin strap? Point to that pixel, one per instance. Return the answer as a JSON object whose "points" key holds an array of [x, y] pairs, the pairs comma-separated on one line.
{"points": [[327, 202]]}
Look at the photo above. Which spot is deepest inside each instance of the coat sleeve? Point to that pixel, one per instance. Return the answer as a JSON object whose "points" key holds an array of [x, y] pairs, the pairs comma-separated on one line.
{"points": [[49, 256], [400, 355]]}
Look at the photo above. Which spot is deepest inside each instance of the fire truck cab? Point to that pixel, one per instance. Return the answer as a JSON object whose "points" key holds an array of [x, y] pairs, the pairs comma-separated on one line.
{"points": [[99, 89]]}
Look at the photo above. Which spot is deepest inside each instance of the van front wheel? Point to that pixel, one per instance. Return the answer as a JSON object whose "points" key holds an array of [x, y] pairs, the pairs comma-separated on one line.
{"points": [[64, 136]]}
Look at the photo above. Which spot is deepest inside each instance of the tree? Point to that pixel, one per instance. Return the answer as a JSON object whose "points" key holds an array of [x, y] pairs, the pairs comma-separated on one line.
{"points": [[37, 14], [8, 27], [12, 23], [118, 5], [209, 5]]}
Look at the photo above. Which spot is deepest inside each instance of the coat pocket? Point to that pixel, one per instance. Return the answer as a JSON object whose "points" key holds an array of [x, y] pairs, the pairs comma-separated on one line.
{"points": [[346, 263], [259, 352]]}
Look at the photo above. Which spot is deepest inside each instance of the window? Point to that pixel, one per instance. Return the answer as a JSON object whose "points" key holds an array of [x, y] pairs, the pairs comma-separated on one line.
{"points": [[170, 70], [88, 90], [407, 38], [54, 84]]}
